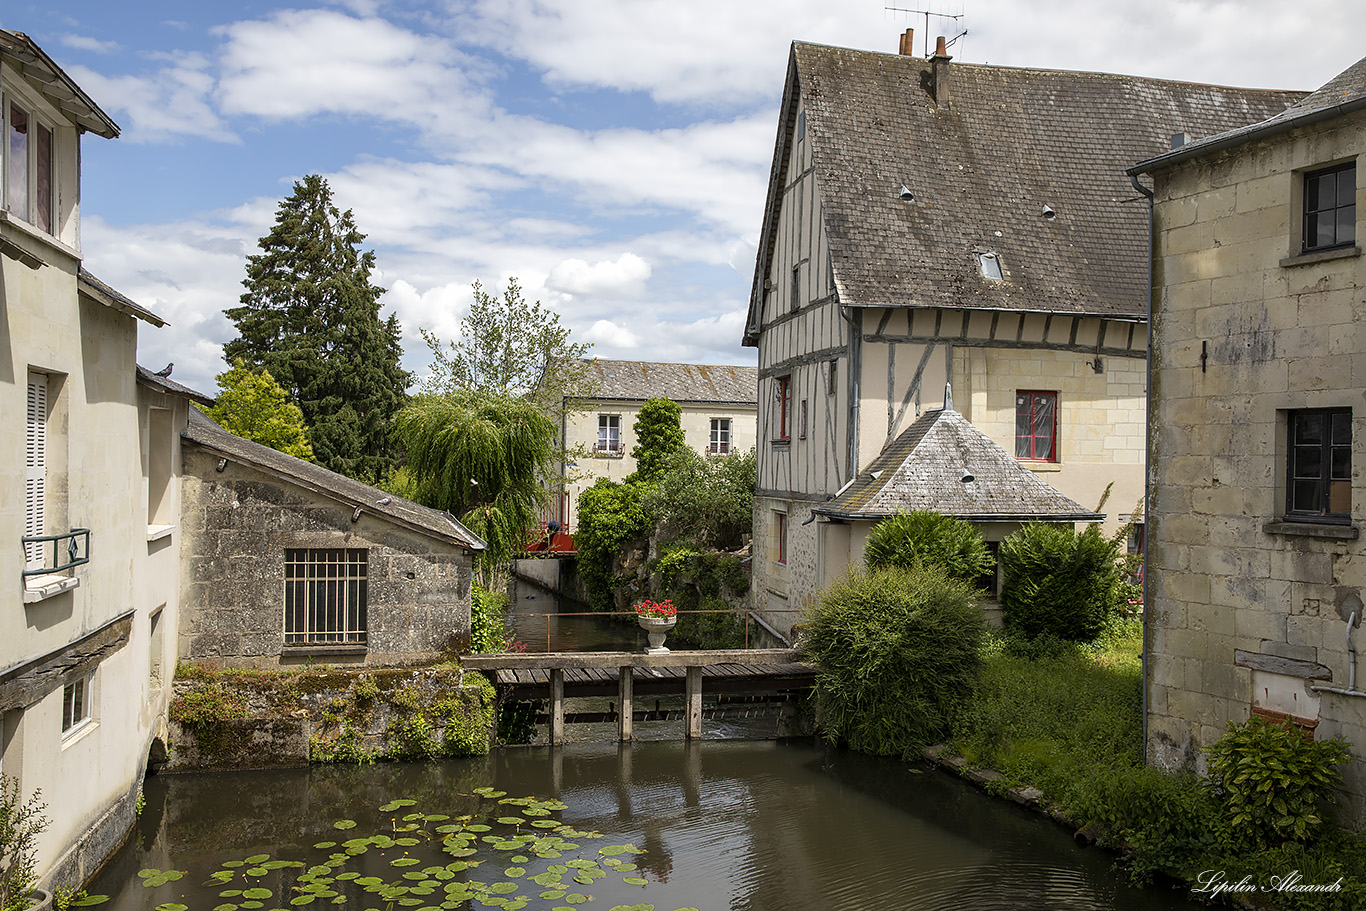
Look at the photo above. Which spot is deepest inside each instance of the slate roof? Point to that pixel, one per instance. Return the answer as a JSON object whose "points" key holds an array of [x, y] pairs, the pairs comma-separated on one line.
{"points": [[683, 383], [92, 286], [924, 467], [204, 433], [1344, 93], [61, 90], [1012, 141], [166, 384]]}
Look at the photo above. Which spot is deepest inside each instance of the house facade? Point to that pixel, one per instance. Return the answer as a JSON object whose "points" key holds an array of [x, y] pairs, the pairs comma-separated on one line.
{"points": [[1256, 565], [85, 654], [930, 223], [718, 418]]}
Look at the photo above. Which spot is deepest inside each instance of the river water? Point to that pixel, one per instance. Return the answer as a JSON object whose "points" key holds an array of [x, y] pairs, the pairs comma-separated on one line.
{"points": [[749, 825]]}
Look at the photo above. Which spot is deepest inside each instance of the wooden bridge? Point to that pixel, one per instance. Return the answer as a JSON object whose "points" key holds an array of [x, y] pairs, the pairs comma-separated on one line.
{"points": [[557, 675]]}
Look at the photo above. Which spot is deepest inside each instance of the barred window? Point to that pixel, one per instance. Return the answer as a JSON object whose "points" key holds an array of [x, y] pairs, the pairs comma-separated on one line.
{"points": [[325, 596]]}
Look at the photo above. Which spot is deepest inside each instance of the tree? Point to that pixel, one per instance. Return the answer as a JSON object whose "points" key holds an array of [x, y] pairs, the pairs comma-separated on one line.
{"points": [[659, 437], [923, 536], [1058, 582], [509, 347], [485, 459], [311, 317], [255, 407]]}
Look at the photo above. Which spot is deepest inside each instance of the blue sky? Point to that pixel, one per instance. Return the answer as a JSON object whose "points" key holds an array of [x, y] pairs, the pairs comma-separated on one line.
{"points": [[612, 154]]}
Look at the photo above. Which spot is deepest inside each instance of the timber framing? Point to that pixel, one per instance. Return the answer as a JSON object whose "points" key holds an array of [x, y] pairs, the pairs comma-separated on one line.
{"points": [[29, 682]]}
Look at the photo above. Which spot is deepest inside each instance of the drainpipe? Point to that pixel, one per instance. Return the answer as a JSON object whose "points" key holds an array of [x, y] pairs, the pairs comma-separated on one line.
{"points": [[1147, 448], [1352, 622], [855, 378]]}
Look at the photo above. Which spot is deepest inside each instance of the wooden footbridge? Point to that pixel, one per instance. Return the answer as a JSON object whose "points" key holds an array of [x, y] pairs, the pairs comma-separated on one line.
{"points": [[560, 675]]}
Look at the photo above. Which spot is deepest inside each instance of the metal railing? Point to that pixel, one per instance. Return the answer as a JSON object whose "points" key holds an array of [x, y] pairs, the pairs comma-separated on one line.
{"points": [[747, 612], [77, 554]]}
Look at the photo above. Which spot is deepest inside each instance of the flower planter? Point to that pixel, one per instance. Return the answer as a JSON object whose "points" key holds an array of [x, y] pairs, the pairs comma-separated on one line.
{"points": [[40, 900], [656, 628]]}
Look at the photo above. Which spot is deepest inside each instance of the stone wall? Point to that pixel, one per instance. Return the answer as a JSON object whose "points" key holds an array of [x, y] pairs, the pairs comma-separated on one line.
{"points": [[1245, 610], [237, 526]]}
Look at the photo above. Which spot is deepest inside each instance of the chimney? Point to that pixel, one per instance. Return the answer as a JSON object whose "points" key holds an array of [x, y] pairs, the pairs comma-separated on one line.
{"points": [[908, 43], [939, 77]]}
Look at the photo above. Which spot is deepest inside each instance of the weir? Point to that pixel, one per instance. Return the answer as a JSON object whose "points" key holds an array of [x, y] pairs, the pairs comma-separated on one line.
{"points": [[560, 675]]}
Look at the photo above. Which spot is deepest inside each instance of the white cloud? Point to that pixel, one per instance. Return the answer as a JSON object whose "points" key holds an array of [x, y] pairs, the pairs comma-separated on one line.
{"points": [[171, 103], [622, 277], [94, 45], [611, 337]]}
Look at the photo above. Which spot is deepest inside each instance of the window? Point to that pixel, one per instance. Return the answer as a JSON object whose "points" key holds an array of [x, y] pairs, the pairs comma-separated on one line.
{"points": [[1036, 426], [75, 704], [779, 537], [990, 265], [1319, 482], [831, 385], [796, 303], [783, 396], [720, 436], [160, 447], [28, 167], [35, 466], [801, 428], [1330, 210], [609, 433], [325, 596]]}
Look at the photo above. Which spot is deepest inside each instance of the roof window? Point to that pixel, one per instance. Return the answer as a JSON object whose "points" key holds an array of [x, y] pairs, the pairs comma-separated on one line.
{"points": [[990, 265]]}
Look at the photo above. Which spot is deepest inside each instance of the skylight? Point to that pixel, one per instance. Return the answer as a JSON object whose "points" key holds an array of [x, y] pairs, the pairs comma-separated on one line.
{"points": [[990, 264]]}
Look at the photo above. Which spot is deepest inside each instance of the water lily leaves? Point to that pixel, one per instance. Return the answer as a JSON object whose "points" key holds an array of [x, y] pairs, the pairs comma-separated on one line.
{"points": [[252, 906], [344, 824], [226, 906], [281, 864], [479, 827], [382, 841], [152, 877], [635, 881], [615, 850], [230, 893], [234, 863], [625, 868], [85, 901], [640, 907], [256, 871], [579, 863], [393, 805], [404, 862], [257, 893], [490, 792], [256, 859], [302, 899], [460, 852], [437, 817], [216, 878], [514, 872], [172, 906], [510, 820], [576, 898], [407, 842], [544, 823], [321, 846]]}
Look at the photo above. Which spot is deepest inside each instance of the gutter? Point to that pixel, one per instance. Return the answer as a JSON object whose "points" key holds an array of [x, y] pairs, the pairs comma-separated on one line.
{"points": [[966, 517], [1147, 448]]}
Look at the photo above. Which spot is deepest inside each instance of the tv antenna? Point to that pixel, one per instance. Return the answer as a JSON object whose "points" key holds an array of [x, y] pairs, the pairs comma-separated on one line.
{"points": [[927, 14]]}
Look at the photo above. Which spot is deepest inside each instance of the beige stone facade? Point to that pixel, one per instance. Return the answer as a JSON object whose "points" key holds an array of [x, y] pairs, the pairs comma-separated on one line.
{"points": [[1257, 332]]}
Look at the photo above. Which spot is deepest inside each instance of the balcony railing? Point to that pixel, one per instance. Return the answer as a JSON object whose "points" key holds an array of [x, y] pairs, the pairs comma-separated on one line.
{"points": [[609, 447], [68, 550]]}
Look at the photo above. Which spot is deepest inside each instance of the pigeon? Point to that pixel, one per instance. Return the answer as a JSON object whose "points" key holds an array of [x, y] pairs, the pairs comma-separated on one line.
{"points": [[165, 371]]}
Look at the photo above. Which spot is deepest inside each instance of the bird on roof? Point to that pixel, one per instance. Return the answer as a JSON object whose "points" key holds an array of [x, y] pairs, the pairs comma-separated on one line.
{"points": [[165, 371]]}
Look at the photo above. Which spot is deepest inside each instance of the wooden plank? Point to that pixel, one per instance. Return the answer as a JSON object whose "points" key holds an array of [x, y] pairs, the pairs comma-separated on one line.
{"points": [[627, 695], [693, 701], [613, 660], [557, 706]]}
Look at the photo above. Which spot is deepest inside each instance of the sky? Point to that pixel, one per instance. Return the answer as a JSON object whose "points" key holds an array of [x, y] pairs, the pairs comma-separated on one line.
{"points": [[613, 155]]}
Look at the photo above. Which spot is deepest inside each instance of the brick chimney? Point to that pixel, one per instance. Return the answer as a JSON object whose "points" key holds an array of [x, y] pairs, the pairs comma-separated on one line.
{"points": [[908, 43], [939, 76]]}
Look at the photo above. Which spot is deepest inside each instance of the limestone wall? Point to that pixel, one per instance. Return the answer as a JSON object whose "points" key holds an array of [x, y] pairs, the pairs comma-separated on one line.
{"points": [[1247, 610]]}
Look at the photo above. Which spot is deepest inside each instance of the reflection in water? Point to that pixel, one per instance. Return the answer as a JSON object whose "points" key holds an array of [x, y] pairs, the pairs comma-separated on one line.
{"points": [[750, 825], [565, 634]]}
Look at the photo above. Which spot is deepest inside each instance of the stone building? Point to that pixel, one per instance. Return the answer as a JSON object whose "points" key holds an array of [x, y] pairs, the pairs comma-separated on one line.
{"points": [[1255, 562], [929, 222], [287, 562], [719, 418]]}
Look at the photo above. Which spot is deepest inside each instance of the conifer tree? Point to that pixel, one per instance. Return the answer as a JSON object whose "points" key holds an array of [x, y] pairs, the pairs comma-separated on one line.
{"points": [[310, 315]]}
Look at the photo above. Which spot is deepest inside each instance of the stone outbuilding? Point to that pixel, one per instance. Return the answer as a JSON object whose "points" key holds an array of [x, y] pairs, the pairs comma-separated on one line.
{"points": [[287, 562], [1256, 567]]}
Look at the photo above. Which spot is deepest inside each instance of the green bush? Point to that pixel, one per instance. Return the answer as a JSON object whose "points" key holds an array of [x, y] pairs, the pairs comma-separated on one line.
{"points": [[1271, 778], [21, 822], [488, 621], [659, 437], [706, 501], [898, 651], [1059, 582], [922, 536], [610, 515]]}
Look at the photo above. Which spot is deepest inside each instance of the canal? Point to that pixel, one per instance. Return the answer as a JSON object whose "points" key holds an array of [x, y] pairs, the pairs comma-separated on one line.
{"points": [[752, 825]]}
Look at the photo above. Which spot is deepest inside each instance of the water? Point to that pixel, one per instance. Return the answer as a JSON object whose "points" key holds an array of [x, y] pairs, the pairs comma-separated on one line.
{"points": [[565, 634], [749, 826]]}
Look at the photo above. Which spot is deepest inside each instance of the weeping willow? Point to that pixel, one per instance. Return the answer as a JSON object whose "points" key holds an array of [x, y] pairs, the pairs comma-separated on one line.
{"points": [[486, 459]]}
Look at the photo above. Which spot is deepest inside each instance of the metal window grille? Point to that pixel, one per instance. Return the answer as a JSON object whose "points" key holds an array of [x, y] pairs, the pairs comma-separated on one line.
{"points": [[325, 596], [35, 466]]}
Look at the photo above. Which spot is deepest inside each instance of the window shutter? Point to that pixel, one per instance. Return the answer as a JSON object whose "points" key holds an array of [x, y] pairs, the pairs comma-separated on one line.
{"points": [[35, 463]]}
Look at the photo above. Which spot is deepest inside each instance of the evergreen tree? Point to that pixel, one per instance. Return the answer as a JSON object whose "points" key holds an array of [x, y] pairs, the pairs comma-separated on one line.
{"points": [[254, 407], [659, 436], [310, 315]]}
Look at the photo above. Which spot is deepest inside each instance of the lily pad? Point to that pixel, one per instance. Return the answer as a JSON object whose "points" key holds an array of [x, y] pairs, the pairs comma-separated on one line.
{"points": [[258, 859], [635, 881], [321, 846], [404, 862], [256, 894]]}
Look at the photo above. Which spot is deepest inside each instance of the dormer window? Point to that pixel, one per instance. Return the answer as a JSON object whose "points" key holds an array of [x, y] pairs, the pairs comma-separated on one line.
{"points": [[990, 265], [28, 167]]}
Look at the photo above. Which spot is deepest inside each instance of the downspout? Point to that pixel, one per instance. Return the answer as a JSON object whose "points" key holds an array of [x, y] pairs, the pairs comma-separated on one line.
{"points": [[855, 378], [1147, 449], [1352, 622]]}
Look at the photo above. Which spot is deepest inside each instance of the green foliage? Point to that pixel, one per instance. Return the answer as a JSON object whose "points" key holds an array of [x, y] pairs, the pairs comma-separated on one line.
{"points": [[1271, 780], [207, 704], [517, 720], [255, 407], [488, 621], [485, 459], [922, 536], [672, 560], [310, 316], [659, 438], [366, 691], [706, 501], [1059, 582], [21, 822], [898, 651], [610, 515], [509, 348]]}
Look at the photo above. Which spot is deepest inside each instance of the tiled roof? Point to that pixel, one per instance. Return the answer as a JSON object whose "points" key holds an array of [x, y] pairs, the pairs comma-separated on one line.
{"points": [[926, 466], [22, 52], [165, 384], [1343, 93], [205, 433], [1011, 142], [106, 295], [683, 383]]}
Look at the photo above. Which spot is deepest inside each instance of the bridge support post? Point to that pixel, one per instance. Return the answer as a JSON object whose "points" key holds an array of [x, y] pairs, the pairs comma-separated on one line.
{"points": [[626, 690], [693, 702], [556, 706]]}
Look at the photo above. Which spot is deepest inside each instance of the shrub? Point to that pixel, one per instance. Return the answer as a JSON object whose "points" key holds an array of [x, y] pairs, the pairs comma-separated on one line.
{"points": [[898, 651], [610, 515], [488, 620], [1058, 582], [922, 536], [1270, 779], [708, 501], [659, 436], [21, 822], [207, 704]]}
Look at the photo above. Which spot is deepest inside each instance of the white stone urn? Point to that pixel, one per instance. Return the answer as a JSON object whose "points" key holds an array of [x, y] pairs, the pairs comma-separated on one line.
{"points": [[656, 628]]}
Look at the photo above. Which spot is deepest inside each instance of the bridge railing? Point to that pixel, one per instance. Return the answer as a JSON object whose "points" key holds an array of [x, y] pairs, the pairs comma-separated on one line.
{"points": [[751, 617]]}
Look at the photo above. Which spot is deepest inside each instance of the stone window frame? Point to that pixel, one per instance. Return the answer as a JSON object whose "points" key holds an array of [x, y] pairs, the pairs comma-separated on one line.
{"points": [[1325, 515], [345, 611], [1299, 254], [779, 537]]}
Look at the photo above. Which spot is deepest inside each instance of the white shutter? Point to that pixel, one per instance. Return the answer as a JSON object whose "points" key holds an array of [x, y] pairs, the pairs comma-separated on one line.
{"points": [[35, 462]]}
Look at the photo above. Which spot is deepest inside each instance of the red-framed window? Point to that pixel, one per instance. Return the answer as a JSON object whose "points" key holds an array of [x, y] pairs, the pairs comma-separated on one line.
{"points": [[779, 537], [1036, 426], [783, 397]]}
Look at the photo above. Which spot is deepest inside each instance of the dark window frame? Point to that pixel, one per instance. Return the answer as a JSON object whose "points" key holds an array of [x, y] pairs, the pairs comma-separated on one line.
{"points": [[783, 394], [1030, 440], [1344, 210], [1309, 488]]}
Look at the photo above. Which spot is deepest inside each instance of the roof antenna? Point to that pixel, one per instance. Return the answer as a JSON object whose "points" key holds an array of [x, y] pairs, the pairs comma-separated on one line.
{"points": [[927, 14], [948, 396]]}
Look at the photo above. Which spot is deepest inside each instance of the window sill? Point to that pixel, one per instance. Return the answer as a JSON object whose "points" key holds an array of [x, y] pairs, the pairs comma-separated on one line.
{"points": [[40, 588], [1320, 256], [781, 444], [35, 233], [1041, 466], [1312, 530], [608, 455], [157, 532], [314, 651], [78, 733]]}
